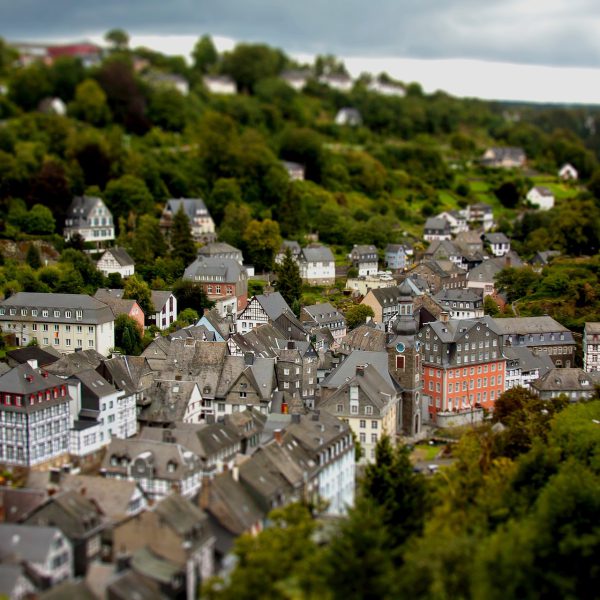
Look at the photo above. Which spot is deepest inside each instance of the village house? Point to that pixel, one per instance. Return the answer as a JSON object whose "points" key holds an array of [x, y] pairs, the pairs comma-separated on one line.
{"points": [[263, 308], [89, 217], [440, 275], [389, 302], [366, 400], [480, 215], [365, 258], [64, 321], [348, 116], [437, 228], [397, 256], [317, 265], [294, 247], [568, 172], [386, 88], [165, 309], [219, 84], [340, 82], [591, 347], [541, 197], [202, 225], [296, 79], [324, 315], [444, 250], [173, 536], [463, 365], [119, 306], [116, 260], [460, 304], [294, 170], [159, 467], [523, 366], [221, 250], [456, 219], [362, 285], [296, 368], [35, 417], [220, 277], [171, 81], [507, 157], [80, 521], [575, 384], [541, 335], [499, 244]]}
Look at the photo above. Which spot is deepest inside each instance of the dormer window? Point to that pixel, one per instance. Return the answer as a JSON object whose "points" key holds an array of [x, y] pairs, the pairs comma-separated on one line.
{"points": [[171, 467]]}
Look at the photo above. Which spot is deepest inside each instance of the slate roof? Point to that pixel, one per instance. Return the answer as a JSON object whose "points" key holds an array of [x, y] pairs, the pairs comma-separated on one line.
{"points": [[316, 430], [67, 590], [192, 207], [458, 295], [455, 329], [130, 584], [17, 503], [228, 501], [324, 313], [23, 380], [273, 304], [566, 380], [592, 328], [128, 373], [120, 255], [169, 401], [227, 270], [180, 514], [149, 564], [76, 362], [496, 238], [347, 369], [119, 306], [365, 337], [80, 209], [93, 311], [44, 356], [526, 325], [216, 249], [160, 298], [317, 253], [527, 360], [31, 543], [264, 341], [437, 224]]}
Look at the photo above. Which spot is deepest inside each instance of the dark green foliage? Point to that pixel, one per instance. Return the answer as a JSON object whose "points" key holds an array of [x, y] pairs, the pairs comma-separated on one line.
{"points": [[138, 290], [289, 282], [128, 337], [183, 247], [247, 64], [33, 257], [191, 295], [357, 315], [204, 54]]}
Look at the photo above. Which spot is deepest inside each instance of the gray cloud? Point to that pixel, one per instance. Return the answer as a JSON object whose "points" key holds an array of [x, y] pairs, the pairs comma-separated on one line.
{"points": [[553, 32]]}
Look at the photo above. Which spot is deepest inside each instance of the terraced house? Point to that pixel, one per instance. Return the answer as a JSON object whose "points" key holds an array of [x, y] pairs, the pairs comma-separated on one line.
{"points": [[64, 321]]}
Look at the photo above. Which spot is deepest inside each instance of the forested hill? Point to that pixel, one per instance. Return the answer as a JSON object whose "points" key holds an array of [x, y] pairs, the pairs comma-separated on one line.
{"points": [[141, 127]]}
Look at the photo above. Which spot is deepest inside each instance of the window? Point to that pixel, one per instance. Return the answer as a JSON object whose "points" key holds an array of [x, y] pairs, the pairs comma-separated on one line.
{"points": [[373, 424], [243, 394], [34, 327], [67, 328], [68, 314], [46, 341], [400, 361], [90, 343], [68, 342], [363, 438], [286, 371], [363, 424], [79, 329], [354, 409], [90, 329], [340, 408], [56, 313], [373, 438], [79, 343], [368, 410]]}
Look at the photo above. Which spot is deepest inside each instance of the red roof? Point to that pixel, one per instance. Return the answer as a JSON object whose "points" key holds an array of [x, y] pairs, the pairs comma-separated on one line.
{"points": [[73, 50]]}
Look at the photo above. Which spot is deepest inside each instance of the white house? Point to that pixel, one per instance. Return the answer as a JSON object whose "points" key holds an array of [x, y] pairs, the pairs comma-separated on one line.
{"points": [[541, 197], [317, 265], [90, 218], [219, 84], [387, 88], [202, 225], [342, 83], [568, 171], [116, 260], [348, 116], [499, 243], [165, 308], [64, 321], [365, 258]]}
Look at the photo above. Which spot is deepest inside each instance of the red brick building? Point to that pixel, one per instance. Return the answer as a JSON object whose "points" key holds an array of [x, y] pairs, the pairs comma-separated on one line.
{"points": [[463, 365]]}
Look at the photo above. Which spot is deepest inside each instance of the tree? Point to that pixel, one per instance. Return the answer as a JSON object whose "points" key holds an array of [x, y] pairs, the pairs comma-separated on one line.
{"points": [[289, 282], [167, 108], [90, 104], [357, 315], [392, 484], [146, 242], [39, 220], [118, 38], [236, 218], [33, 257], [128, 337], [30, 85], [50, 187], [185, 318], [128, 194], [224, 192], [190, 294], [138, 290], [182, 242], [204, 54], [249, 63], [263, 240]]}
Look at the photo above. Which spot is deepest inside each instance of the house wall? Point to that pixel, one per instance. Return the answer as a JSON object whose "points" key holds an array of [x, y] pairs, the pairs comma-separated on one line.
{"points": [[107, 264]]}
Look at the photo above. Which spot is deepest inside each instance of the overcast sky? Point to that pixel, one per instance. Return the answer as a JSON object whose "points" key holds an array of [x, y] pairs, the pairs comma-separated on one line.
{"points": [[554, 33]]}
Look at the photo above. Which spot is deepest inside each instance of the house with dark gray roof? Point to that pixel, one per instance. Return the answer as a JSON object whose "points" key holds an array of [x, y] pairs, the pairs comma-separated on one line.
{"points": [[165, 309], [221, 250], [317, 265], [64, 321], [262, 308], [14, 583], [324, 315], [44, 553], [175, 533], [294, 248], [541, 197], [220, 278], [365, 258], [397, 256], [573, 383], [202, 225], [461, 303], [498, 242], [44, 356], [388, 302], [348, 116], [543, 335], [89, 217], [523, 366], [116, 260], [121, 306], [437, 228], [79, 519], [507, 157], [158, 467], [35, 417]]}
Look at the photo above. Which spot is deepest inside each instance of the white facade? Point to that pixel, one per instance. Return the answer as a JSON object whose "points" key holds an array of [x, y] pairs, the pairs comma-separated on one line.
{"points": [[109, 264], [541, 197], [167, 313], [336, 478], [568, 171], [220, 85], [91, 219], [317, 272], [591, 347]]}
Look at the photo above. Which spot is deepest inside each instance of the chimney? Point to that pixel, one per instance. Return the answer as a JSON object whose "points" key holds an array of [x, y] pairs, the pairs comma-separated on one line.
{"points": [[507, 261], [360, 370], [122, 562], [291, 345], [235, 473], [296, 418], [248, 358], [316, 415], [278, 435], [33, 363], [444, 316]]}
